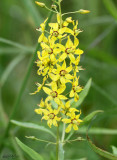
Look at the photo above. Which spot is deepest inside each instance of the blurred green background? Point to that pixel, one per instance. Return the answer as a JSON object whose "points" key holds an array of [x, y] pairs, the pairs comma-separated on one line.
{"points": [[18, 40]]}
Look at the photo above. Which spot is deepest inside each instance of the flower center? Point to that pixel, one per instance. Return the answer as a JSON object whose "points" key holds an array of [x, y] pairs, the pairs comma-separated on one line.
{"points": [[54, 94], [51, 115], [74, 121], [63, 72], [69, 50], [55, 33]]}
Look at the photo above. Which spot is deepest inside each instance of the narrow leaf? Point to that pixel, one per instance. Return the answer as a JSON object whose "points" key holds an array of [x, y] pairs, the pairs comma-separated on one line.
{"points": [[9, 69], [101, 152], [83, 94], [32, 126], [91, 115], [34, 155]]}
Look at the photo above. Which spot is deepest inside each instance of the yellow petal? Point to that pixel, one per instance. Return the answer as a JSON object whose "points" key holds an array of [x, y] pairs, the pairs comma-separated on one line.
{"points": [[62, 57], [68, 76], [71, 93], [47, 90], [62, 97], [79, 51], [76, 42], [54, 77], [54, 86], [68, 129], [69, 43], [75, 127], [72, 58], [62, 80], [65, 120], [76, 98]]}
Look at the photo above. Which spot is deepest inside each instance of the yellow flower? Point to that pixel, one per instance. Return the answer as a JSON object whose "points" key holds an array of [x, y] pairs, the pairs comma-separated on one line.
{"points": [[75, 89], [75, 30], [40, 86], [51, 116], [42, 37], [66, 109], [55, 30], [73, 121], [45, 64], [54, 93], [50, 50], [61, 73], [43, 105], [70, 49], [40, 4]]}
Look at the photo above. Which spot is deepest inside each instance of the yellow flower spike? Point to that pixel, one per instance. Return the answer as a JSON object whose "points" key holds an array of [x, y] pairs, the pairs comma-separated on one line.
{"points": [[82, 11], [40, 4], [73, 121]]}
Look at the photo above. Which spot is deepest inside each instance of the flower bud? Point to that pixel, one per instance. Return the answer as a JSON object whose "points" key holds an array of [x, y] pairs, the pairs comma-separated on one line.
{"points": [[54, 7], [69, 20], [40, 4], [82, 11]]}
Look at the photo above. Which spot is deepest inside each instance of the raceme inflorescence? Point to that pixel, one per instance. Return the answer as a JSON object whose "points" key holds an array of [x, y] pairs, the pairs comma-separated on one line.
{"points": [[58, 64]]}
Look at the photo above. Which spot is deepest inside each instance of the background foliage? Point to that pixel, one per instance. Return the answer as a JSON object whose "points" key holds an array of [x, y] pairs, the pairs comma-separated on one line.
{"points": [[18, 39]]}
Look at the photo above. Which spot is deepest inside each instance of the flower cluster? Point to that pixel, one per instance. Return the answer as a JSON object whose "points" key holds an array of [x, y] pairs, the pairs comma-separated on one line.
{"points": [[58, 63]]}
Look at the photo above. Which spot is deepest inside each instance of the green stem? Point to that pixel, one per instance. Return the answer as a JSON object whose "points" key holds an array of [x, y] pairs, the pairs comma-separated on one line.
{"points": [[70, 13], [63, 134], [23, 86], [57, 144]]}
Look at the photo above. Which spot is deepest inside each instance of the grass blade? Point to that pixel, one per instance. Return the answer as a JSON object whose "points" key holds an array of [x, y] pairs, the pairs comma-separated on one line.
{"points": [[101, 152], [32, 126], [9, 68], [20, 46], [83, 94], [111, 7], [34, 155]]}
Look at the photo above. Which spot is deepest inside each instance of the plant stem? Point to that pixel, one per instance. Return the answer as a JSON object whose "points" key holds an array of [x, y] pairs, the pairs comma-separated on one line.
{"points": [[63, 134], [57, 144], [17, 101]]}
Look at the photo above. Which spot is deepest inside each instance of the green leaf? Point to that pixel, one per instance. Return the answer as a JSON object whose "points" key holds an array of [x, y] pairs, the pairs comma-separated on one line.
{"points": [[91, 115], [114, 149], [101, 152], [83, 94], [98, 131], [34, 155], [32, 126]]}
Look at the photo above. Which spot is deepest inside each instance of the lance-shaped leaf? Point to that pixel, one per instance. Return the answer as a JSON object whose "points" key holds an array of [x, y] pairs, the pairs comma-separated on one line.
{"points": [[34, 155], [82, 95], [32, 126], [100, 151], [90, 116]]}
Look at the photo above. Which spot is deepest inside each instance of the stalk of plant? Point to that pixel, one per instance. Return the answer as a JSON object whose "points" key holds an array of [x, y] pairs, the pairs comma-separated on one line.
{"points": [[58, 63]]}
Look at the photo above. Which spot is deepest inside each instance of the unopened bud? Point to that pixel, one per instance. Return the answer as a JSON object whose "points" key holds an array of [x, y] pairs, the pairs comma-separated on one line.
{"points": [[54, 7], [40, 4], [82, 11], [69, 20]]}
